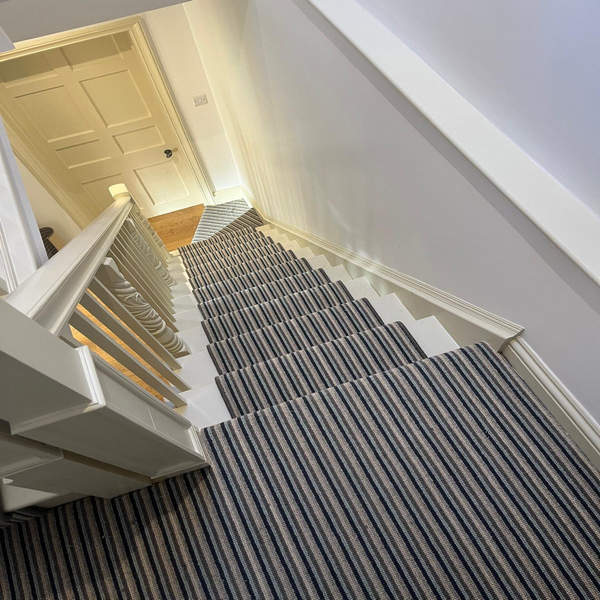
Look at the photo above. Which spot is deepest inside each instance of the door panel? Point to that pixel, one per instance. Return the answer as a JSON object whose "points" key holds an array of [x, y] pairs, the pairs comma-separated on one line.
{"points": [[93, 117]]}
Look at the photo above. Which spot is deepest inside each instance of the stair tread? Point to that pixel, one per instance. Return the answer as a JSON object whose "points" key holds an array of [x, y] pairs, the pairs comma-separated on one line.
{"points": [[275, 311], [290, 336], [263, 293], [249, 280], [218, 261], [206, 278], [319, 367], [226, 249]]}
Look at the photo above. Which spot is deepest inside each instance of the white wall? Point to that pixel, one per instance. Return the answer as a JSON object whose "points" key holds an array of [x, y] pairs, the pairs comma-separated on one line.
{"points": [[529, 67], [27, 19], [47, 212], [177, 51], [325, 143]]}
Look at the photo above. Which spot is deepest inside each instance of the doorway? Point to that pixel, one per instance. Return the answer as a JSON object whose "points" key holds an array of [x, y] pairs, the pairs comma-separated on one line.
{"points": [[88, 109]]}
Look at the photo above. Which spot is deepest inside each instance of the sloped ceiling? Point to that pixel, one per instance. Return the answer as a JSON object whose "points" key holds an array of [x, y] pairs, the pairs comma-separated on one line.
{"points": [[27, 19]]}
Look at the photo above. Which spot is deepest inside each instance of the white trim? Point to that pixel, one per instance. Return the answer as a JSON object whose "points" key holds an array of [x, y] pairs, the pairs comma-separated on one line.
{"points": [[465, 322], [233, 193], [562, 217], [578, 423]]}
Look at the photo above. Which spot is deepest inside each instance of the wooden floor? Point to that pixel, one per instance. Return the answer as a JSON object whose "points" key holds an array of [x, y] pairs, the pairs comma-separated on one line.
{"points": [[177, 228]]}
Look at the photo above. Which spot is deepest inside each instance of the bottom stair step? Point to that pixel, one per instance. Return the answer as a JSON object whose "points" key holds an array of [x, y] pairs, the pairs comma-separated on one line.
{"points": [[443, 479], [294, 375]]}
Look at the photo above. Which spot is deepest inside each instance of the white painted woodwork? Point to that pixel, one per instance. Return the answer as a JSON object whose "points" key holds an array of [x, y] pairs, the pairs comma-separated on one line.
{"points": [[431, 336], [361, 288], [140, 263], [391, 309], [137, 306], [319, 262], [79, 475], [184, 303], [123, 426], [205, 406], [110, 300], [51, 294], [195, 338], [145, 228], [21, 247], [198, 370], [97, 336], [41, 376], [338, 273], [99, 311], [187, 319], [465, 322], [420, 208], [19, 454], [160, 268], [90, 114], [15, 498], [141, 285]]}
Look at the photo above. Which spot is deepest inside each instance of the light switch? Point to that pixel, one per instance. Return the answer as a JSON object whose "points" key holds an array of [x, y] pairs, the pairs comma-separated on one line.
{"points": [[200, 100]]}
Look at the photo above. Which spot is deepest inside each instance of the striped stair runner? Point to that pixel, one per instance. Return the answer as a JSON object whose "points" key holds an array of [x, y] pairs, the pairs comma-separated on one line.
{"points": [[442, 479], [276, 311], [250, 280], [199, 252], [215, 218], [204, 278], [263, 293], [327, 365], [222, 242], [211, 263], [290, 336], [354, 466], [249, 220]]}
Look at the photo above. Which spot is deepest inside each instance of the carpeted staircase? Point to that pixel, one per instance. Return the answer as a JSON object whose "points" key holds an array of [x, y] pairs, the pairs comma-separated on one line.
{"points": [[356, 465]]}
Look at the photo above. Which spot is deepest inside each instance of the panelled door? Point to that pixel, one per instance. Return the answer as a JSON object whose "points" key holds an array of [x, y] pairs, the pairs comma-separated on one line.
{"points": [[90, 114]]}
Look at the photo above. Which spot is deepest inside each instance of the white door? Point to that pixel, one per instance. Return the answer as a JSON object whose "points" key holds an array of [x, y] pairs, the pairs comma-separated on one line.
{"points": [[91, 116]]}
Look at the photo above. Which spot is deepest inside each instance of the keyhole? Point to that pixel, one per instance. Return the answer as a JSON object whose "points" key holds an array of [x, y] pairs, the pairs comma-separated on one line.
{"points": [[168, 153]]}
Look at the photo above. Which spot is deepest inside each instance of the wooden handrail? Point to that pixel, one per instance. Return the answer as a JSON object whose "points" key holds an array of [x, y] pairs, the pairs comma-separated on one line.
{"points": [[52, 293]]}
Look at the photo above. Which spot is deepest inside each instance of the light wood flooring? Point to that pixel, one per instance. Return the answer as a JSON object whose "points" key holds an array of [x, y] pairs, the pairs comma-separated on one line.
{"points": [[177, 228]]}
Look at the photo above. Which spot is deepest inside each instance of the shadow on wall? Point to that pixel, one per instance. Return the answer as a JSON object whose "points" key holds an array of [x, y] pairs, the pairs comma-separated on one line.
{"points": [[551, 254]]}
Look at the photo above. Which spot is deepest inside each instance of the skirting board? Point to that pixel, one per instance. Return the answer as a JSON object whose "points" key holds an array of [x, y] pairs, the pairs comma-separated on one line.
{"points": [[467, 324], [578, 423]]}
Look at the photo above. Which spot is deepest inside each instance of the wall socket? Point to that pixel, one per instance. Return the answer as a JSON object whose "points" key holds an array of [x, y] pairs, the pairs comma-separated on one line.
{"points": [[200, 100]]}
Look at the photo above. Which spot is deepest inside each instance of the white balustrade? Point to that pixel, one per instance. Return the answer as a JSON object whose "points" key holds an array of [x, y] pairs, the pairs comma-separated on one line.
{"points": [[112, 285]]}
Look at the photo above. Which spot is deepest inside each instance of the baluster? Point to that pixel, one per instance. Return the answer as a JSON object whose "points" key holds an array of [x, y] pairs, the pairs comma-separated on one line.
{"points": [[90, 330], [165, 310], [111, 277], [104, 316], [151, 236], [141, 242], [141, 263], [109, 299]]}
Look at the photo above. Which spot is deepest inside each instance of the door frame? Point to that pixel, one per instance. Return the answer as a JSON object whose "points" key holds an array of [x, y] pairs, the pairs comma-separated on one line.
{"points": [[59, 188]]}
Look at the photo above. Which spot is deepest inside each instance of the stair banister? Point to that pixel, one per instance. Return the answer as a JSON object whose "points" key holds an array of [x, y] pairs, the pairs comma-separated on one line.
{"points": [[51, 294], [59, 392]]}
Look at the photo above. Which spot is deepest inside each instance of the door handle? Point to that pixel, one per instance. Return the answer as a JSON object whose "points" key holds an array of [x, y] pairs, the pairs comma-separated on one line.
{"points": [[168, 153]]}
